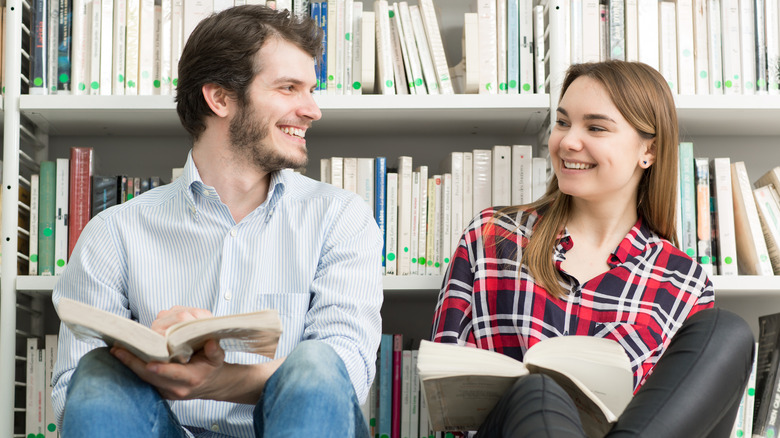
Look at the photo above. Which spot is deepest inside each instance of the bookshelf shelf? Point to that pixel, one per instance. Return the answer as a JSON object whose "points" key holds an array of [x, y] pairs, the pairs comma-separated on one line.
{"points": [[742, 115], [368, 114]]}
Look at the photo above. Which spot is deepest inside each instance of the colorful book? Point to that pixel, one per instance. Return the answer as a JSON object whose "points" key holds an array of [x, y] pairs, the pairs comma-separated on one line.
{"points": [[385, 375], [703, 214], [380, 201], [46, 217], [688, 199], [34, 201], [80, 193], [398, 346]]}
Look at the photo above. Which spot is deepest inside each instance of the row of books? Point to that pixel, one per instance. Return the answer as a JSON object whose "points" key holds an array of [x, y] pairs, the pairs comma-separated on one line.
{"points": [[727, 224], [64, 196], [395, 407], [422, 214], [700, 46], [39, 412]]}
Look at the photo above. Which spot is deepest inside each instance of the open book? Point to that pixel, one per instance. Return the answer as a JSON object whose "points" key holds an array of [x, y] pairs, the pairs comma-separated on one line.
{"points": [[256, 332], [461, 385]]}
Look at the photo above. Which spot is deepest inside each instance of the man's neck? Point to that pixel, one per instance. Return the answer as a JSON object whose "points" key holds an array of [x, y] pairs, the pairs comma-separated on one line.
{"points": [[240, 185]]}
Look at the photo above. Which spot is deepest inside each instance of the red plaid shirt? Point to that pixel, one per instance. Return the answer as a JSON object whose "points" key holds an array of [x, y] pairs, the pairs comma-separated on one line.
{"points": [[489, 301]]}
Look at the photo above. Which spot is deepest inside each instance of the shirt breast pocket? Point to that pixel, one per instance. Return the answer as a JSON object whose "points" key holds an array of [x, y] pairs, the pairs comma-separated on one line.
{"points": [[292, 307]]}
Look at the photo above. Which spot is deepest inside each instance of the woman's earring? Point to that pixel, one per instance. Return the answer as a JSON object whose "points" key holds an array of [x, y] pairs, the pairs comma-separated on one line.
{"points": [[644, 162]]}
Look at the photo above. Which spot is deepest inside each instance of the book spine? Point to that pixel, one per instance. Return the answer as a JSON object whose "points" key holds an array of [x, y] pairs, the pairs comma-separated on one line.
{"points": [[385, 385], [95, 15], [526, 46], [400, 32], [146, 52], [50, 423], [368, 51], [118, 51], [423, 218], [46, 218], [384, 49], [34, 390], [540, 72], [688, 199], [417, 82], [438, 225], [470, 42], [52, 45], [668, 45], [752, 253], [436, 46], [729, 17], [428, 70], [355, 85], [468, 187], [397, 50], [132, 45], [647, 28], [365, 181], [336, 47], [512, 47], [617, 41], [502, 174], [501, 45], [761, 53], [430, 269], [415, 224], [380, 200], [64, 44], [414, 397], [38, 47], [406, 394], [391, 242], [337, 171], [747, 42], [483, 181], [522, 160], [715, 47], [34, 201], [773, 47], [539, 177], [165, 26], [456, 199], [80, 193], [685, 48], [177, 39], [446, 220], [61, 219], [631, 27], [350, 174], [323, 64], [769, 216], [724, 210], [106, 47], [397, 367], [488, 74], [703, 215], [700, 47]]}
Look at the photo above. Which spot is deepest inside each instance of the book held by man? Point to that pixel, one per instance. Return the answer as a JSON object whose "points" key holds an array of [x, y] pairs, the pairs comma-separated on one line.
{"points": [[461, 385], [255, 332]]}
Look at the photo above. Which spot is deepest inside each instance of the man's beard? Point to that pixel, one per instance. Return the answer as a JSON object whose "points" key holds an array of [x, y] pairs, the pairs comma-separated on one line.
{"points": [[247, 135]]}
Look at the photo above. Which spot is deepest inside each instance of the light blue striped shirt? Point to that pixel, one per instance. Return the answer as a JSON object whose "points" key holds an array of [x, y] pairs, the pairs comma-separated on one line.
{"points": [[310, 250]]}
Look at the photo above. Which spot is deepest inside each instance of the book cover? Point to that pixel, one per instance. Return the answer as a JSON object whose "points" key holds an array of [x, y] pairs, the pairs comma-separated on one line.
{"points": [[769, 216], [46, 217], [80, 193], [61, 219], [254, 332], [461, 385]]}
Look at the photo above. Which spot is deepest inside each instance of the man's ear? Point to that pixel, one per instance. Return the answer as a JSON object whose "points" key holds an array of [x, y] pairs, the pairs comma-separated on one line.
{"points": [[217, 99]]}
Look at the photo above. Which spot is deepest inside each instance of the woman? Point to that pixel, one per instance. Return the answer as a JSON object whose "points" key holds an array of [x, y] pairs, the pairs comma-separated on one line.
{"points": [[596, 256]]}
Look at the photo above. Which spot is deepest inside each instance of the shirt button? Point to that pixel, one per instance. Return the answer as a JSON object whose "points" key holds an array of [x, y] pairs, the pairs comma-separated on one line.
{"points": [[215, 427], [233, 232], [228, 295]]}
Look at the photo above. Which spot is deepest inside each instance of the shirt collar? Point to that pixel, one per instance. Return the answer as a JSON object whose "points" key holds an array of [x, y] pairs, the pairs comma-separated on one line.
{"points": [[632, 245]]}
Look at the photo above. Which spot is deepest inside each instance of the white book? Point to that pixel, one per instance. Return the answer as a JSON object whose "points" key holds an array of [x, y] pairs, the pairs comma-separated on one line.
{"points": [[118, 51], [177, 40], [526, 46], [453, 165], [50, 356], [647, 29], [540, 48], [166, 35], [404, 215], [502, 174], [106, 46], [384, 49], [438, 225], [483, 181], [391, 238], [539, 176], [96, 15], [761, 55], [423, 48], [590, 31], [632, 28], [414, 427], [367, 51], [415, 66], [700, 47], [61, 218], [446, 220], [193, 12], [512, 46], [772, 46], [34, 386], [132, 45], [752, 253], [488, 62], [724, 211], [52, 46], [470, 45], [34, 199], [425, 429], [337, 171], [603, 31], [715, 47], [575, 33], [769, 216], [415, 225], [668, 52], [80, 47], [325, 170], [437, 48], [686, 77], [468, 188], [355, 85], [336, 19], [422, 233], [501, 46], [406, 392], [350, 174], [146, 53], [365, 181], [399, 70], [522, 170], [431, 264], [750, 392], [732, 60], [747, 42]]}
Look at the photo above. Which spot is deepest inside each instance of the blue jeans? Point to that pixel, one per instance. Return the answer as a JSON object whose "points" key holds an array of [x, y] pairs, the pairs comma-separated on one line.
{"points": [[309, 395]]}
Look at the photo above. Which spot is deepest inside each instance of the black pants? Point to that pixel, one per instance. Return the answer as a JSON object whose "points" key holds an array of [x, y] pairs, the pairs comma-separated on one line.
{"points": [[694, 390]]}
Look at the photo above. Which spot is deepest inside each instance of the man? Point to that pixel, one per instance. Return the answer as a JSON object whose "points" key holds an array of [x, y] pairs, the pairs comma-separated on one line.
{"points": [[235, 233]]}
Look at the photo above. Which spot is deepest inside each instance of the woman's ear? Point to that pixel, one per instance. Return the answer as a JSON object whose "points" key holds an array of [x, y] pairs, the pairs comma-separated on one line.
{"points": [[647, 155], [216, 98]]}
